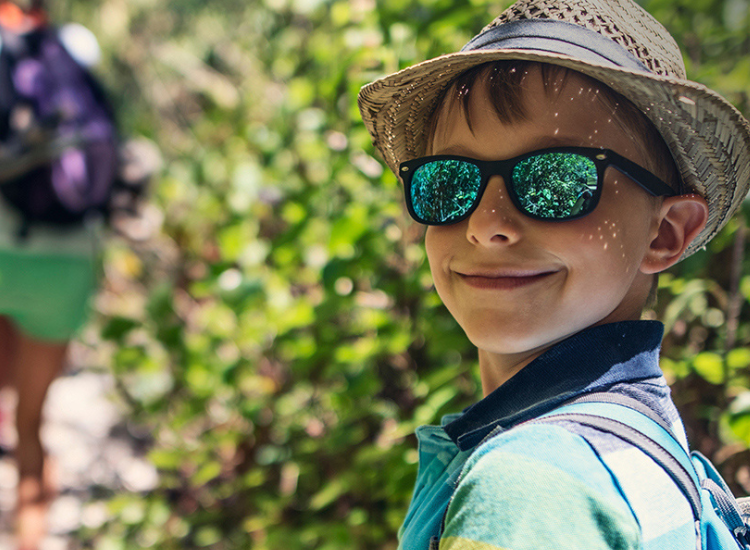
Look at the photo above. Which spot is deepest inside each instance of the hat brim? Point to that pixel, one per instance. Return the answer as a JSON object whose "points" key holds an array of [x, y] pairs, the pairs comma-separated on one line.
{"points": [[708, 137]]}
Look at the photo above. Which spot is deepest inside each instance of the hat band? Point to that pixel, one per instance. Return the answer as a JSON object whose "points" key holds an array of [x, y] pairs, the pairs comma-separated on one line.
{"points": [[553, 36]]}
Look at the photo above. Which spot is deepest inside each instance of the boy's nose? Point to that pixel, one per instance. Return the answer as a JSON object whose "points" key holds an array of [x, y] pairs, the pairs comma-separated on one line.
{"points": [[496, 221]]}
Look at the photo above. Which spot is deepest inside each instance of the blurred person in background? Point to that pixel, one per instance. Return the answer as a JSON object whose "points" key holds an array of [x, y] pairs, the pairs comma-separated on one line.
{"points": [[58, 162]]}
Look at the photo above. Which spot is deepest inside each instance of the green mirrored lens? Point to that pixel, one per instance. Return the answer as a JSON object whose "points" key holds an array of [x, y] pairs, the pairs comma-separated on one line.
{"points": [[555, 186], [444, 190]]}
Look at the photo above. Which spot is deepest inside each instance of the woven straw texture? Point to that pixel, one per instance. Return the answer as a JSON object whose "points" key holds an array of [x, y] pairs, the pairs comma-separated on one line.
{"points": [[708, 137], [621, 21]]}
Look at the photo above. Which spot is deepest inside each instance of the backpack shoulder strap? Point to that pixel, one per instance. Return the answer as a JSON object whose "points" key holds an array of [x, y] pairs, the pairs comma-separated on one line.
{"points": [[625, 401], [635, 423], [721, 524]]}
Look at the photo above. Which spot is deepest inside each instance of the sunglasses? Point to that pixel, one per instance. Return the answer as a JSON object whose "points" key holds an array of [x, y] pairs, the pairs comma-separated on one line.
{"points": [[558, 184]]}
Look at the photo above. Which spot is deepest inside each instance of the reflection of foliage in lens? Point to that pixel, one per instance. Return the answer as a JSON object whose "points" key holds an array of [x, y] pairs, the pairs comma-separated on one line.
{"points": [[444, 190], [555, 185]]}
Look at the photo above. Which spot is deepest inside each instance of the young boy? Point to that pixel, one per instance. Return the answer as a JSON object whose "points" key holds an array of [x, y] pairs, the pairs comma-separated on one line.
{"points": [[560, 161]]}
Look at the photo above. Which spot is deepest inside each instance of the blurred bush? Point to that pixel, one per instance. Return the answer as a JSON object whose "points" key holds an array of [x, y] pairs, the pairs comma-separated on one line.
{"points": [[272, 323]]}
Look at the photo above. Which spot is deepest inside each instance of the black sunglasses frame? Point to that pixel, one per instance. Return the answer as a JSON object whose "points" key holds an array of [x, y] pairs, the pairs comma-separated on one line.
{"points": [[602, 158]]}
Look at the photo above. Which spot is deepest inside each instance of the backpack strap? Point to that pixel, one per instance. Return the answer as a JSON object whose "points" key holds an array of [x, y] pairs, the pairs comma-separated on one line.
{"points": [[625, 401], [633, 422], [637, 424]]}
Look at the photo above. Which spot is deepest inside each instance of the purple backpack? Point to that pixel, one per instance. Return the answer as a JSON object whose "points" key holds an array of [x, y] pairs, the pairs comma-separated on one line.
{"points": [[58, 145]]}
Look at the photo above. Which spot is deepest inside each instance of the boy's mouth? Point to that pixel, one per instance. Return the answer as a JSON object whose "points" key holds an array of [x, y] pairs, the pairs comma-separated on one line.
{"points": [[501, 280]]}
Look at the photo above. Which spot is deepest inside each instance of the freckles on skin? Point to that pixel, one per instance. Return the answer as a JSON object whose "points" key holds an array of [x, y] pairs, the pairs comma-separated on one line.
{"points": [[608, 239], [614, 238], [500, 196]]}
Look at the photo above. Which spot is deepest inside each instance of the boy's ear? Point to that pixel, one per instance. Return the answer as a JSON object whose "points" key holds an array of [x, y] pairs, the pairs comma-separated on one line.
{"points": [[680, 220]]}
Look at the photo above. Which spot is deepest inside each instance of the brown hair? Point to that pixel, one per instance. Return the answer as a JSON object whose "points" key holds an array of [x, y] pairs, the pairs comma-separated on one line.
{"points": [[503, 82]]}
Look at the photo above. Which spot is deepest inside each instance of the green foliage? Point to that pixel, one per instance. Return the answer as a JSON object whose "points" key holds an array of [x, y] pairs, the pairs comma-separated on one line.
{"points": [[279, 339]]}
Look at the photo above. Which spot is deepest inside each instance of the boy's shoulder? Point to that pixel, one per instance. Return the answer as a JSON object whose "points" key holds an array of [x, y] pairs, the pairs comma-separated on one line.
{"points": [[589, 484], [533, 471]]}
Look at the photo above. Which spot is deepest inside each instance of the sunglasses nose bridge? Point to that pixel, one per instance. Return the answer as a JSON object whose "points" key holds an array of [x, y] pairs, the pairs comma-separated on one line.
{"points": [[495, 220], [494, 192], [496, 177]]}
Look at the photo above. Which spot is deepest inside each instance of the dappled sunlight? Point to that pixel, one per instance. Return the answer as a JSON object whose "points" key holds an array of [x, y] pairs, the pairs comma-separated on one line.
{"points": [[268, 339]]}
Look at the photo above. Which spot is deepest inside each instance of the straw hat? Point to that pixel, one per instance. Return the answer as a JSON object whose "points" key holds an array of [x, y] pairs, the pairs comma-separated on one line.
{"points": [[613, 41]]}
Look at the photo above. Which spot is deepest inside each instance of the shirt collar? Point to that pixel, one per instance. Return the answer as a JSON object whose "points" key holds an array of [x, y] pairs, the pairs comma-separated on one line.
{"points": [[591, 360]]}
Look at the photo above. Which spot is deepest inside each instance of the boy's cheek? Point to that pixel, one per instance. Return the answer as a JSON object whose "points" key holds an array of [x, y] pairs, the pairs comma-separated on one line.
{"points": [[435, 247]]}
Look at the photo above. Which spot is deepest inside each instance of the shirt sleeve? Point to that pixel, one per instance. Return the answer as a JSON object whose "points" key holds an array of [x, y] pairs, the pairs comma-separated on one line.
{"points": [[540, 487]]}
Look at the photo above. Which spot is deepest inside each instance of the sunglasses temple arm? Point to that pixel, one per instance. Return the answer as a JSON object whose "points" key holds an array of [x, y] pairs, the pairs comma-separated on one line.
{"points": [[643, 177]]}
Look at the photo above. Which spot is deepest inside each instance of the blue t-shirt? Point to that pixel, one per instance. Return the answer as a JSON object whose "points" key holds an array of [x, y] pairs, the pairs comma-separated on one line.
{"points": [[561, 486]]}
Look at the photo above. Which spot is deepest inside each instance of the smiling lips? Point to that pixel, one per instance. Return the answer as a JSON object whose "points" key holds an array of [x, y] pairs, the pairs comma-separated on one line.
{"points": [[503, 280]]}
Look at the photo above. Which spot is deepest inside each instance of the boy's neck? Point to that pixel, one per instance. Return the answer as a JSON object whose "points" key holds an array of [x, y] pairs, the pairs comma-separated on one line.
{"points": [[496, 369]]}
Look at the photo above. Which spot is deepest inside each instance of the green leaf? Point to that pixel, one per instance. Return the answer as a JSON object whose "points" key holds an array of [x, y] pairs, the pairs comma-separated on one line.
{"points": [[328, 494], [165, 459], [738, 358], [206, 473], [710, 366], [740, 426], [739, 417], [207, 536], [118, 327]]}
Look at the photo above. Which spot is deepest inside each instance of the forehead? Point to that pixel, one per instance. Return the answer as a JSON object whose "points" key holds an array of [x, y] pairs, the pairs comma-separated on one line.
{"points": [[569, 109]]}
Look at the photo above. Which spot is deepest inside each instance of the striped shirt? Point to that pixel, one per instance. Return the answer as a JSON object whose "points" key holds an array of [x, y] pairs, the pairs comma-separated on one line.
{"points": [[560, 485]]}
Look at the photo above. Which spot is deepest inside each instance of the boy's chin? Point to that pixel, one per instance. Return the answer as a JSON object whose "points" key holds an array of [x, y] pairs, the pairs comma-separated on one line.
{"points": [[516, 343], [525, 335]]}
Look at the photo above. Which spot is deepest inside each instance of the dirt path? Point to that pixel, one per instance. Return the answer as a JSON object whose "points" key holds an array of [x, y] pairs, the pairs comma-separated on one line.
{"points": [[94, 453]]}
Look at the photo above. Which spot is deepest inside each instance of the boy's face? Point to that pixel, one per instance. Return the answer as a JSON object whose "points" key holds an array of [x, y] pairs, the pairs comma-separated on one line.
{"points": [[518, 285]]}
